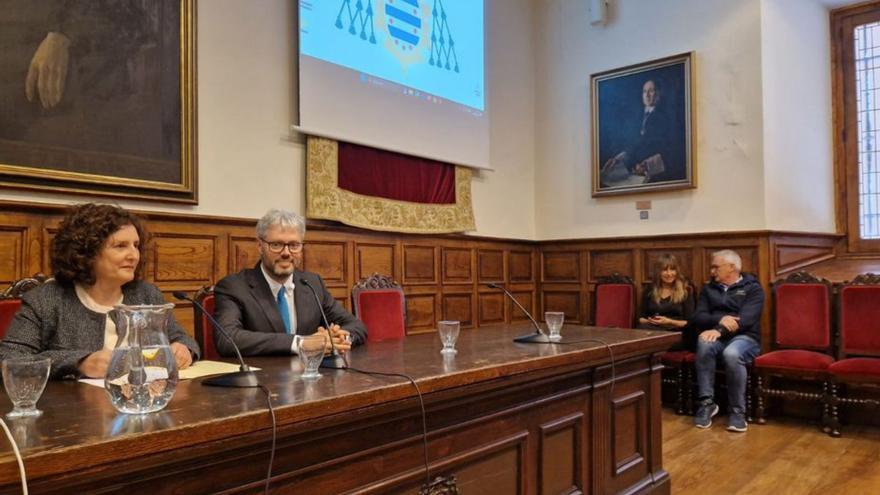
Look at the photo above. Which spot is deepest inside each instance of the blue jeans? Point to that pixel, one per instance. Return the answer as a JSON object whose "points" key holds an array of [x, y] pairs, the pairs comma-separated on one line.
{"points": [[737, 353]]}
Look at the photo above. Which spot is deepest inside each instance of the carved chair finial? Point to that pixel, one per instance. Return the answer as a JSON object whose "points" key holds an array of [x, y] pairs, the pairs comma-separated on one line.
{"points": [[19, 287], [377, 281], [615, 278], [865, 279]]}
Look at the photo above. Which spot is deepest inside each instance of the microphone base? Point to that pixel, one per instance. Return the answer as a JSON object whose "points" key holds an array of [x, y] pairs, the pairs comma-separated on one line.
{"points": [[239, 379], [333, 361], [533, 338]]}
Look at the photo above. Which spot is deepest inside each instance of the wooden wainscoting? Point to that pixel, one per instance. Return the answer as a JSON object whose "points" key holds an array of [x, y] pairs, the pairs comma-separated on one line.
{"points": [[443, 276], [569, 269]]}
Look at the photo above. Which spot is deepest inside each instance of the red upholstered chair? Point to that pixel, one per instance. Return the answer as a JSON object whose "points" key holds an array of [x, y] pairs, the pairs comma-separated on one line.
{"points": [[10, 299], [682, 364], [615, 296], [8, 308], [379, 303], [859, 364], [802, 343], [204, 330]]}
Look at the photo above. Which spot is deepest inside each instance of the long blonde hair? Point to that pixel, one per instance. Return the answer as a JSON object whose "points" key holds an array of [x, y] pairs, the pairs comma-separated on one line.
{"points": [[679, 287]]}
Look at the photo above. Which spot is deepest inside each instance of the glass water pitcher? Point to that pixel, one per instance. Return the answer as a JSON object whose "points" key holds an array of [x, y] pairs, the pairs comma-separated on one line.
{"points": [[143, 374]]}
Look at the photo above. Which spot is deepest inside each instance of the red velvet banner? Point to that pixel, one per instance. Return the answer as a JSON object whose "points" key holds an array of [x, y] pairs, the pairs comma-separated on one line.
{"points": [[390, 175]]}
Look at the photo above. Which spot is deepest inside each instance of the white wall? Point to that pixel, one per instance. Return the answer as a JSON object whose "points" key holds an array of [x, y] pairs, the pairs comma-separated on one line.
{"points": [[504, 200], [796, 60], [246, 95], [758, 165], [726, 37], [244, 91]]}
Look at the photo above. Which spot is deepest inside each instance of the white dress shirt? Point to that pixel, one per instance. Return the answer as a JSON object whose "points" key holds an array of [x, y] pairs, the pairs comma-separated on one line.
{"points": [[288, 287], [110, 335]]}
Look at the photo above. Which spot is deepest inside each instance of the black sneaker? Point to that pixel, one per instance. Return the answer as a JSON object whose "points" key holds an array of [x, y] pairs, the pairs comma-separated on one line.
{"points": [[707, 410], [736, 421]]}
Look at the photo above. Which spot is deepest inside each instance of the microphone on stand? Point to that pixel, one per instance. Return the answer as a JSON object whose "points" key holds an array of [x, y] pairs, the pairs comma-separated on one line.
{"points": [[244, 378], [334, 360], [539, 336]]}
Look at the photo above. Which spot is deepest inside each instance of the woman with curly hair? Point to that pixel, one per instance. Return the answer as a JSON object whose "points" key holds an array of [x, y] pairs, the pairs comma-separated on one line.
{"points": [[96, 261], [669, 303]]}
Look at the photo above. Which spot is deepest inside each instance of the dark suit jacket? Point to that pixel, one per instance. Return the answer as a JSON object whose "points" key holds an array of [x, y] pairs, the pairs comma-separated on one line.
{"points": [[663, 135], [245, 307]]}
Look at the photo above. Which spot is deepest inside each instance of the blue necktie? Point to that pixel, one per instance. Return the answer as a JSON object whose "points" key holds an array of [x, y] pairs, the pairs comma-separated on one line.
{"points": [[284, 310]]}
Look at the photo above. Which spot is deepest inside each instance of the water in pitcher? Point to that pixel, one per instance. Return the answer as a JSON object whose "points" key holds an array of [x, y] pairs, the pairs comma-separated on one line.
{"points": [[141, 380], [142, 374]]}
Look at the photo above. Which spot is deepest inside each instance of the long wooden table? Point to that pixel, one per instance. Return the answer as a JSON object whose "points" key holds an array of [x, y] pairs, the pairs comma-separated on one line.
{"points": [[503, 418]]}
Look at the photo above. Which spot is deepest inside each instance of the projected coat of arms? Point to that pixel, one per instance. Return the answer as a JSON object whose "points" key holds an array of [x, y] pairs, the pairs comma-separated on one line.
{"points": [[414, 27]]}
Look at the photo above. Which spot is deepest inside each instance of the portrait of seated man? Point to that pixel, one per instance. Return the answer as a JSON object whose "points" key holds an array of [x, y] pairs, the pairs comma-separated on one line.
{"points": [[642, 129]]}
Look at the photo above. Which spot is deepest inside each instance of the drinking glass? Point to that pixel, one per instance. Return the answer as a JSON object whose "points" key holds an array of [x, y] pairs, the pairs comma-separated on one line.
{"points": [[27, 432], [554, 320], [311, 351], [448, 331], [24, 379], [449, 362]]}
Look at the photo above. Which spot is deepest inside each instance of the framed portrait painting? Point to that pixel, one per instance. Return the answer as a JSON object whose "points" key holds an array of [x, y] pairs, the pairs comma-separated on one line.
{"points": [[643, 127], [98, 97]]}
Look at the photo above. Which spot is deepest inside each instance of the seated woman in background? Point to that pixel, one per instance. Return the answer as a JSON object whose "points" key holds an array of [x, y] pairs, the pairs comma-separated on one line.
{"points": [[96, 256], [669, 303]]}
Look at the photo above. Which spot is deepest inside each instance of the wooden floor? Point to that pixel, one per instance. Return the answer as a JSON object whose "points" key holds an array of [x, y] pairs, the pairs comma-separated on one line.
{"points": [[785, 456]]}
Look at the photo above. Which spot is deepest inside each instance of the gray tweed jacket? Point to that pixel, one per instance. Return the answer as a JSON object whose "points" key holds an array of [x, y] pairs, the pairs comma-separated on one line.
{"points": [[53, 323]]}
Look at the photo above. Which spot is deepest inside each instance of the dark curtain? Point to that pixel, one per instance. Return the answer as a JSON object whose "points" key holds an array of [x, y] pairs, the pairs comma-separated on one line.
{"points": [[396, 176]]}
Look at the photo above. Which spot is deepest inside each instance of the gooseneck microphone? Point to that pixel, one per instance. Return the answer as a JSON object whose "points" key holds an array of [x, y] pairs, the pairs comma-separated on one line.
{"points": [[244, 378], [533, 338], [334, 360]]}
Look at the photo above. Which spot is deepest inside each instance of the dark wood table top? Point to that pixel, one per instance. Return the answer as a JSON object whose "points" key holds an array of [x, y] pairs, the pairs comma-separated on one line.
{"points": [[79, 428]]}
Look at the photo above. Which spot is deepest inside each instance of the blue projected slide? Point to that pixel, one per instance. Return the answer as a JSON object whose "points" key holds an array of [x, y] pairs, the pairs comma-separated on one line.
{"points": [[433, 46]]}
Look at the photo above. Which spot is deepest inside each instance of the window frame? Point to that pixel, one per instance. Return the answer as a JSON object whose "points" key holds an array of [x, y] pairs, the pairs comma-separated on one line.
{"points": [[845, 123]]}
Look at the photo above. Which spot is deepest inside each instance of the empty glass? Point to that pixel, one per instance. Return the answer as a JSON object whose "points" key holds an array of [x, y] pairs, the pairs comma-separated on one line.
{"points": [[24, 379], [554, 320], [449, 364], [27, 433], [448, 331], [311, 351]]}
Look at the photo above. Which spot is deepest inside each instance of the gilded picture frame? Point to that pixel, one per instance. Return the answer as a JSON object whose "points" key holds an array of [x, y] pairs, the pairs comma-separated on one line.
{"points": [[642, 121], [99, 98]]}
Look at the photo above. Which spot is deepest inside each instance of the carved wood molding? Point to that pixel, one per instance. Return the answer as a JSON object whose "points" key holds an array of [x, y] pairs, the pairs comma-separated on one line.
{"points": [[615, 278], [802, 277], [19, 287], [865, 279], [377, 281], [205, 291]]}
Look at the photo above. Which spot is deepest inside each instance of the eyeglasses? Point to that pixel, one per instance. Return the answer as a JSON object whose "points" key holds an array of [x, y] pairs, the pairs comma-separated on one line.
{"points": [[715, 267], [277, 246]]}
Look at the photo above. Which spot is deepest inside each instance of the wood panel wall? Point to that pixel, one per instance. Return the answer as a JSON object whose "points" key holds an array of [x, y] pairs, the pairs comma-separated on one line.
{"points": [[443, 276], [570, 269]]}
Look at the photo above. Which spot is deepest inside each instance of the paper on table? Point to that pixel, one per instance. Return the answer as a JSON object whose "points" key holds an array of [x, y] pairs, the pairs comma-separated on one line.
{"points": [[197, 370], [205, 368]]}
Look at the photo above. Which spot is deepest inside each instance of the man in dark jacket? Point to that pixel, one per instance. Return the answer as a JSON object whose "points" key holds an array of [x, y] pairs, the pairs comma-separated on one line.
{"points": [[264, 307], [728, 319]]}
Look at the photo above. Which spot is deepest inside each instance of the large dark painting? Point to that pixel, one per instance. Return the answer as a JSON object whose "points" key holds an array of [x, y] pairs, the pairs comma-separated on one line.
{"points": [[98, 97], [643, 127]]}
